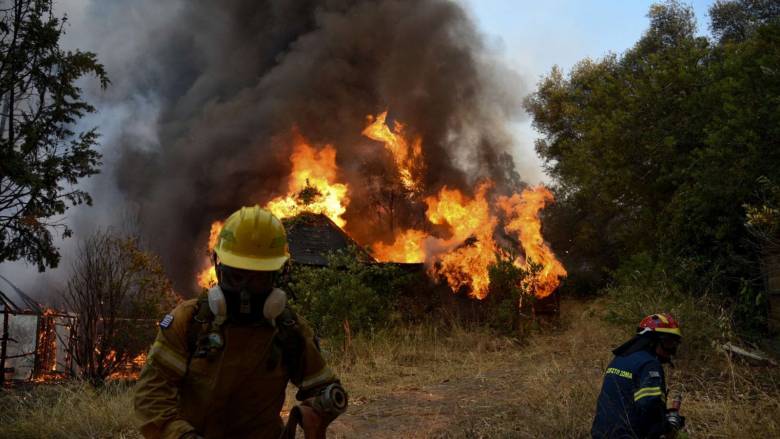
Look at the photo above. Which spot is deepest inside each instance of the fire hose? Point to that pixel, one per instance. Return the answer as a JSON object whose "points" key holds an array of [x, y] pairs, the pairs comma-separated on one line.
{"points": [[314, 414]]}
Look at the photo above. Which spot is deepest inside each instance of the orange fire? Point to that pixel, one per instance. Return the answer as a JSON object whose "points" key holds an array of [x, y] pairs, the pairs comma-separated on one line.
{"points": [[208, 276], [130, 370], [312, 185], [472, 228], [522, 211], [407, 247], [407, 155], [463, 256]]}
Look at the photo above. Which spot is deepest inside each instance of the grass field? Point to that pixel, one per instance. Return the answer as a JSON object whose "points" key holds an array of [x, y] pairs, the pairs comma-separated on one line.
{"points": [[447, 381]]}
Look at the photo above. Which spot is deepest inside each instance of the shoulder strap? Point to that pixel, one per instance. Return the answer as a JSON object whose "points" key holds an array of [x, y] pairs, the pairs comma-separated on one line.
{"points": [[290, 341], [198, 325]]}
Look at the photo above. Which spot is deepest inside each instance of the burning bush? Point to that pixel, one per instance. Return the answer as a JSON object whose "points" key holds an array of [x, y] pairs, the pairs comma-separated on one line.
{"points": [[115, 287]]}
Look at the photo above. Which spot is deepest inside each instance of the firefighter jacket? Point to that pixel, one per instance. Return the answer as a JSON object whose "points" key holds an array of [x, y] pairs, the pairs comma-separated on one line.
{"points": [[632, 403], [238, 392]]}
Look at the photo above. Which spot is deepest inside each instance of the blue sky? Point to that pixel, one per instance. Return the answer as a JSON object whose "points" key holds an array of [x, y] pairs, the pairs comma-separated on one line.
{"points": [[532, 36]]}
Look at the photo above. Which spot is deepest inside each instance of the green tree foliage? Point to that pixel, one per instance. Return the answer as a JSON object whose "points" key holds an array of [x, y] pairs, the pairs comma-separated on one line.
{"points": [[347, 290], [737, 20], [655, 151], [117, 289], [512, 294], [42, 157]]}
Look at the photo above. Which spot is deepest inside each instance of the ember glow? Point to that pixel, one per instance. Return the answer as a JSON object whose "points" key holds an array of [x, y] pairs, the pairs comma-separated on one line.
{"points": [[312, 185], [407, 155], [130, 370]]}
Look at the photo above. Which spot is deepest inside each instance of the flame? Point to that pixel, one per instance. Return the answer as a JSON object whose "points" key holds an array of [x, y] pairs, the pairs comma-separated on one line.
{"points": [[312, 185], [407, 247], [130, 370], [522, 211], [464, 256], [471, 221], [208, 276], [407, 156]]}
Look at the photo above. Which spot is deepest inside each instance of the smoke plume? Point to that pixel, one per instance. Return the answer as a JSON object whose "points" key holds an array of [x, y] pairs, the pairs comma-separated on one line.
{"points": [[222, 87]]}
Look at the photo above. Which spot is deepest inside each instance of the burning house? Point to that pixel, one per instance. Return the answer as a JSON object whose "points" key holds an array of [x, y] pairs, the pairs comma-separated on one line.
{"points": [[458, 237], [35, 341]]}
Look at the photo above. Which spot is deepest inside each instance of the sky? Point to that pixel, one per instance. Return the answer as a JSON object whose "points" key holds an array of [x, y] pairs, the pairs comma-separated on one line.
{"points": [[529, 36], [533, 36]]}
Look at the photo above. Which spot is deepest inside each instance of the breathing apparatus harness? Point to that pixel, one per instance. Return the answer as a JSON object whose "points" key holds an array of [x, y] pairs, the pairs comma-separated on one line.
{"points": [[205, 338]]}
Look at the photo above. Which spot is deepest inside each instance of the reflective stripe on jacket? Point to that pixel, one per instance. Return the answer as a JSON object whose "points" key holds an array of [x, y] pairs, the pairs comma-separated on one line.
{"points": [[632, 403], [236, 394]]}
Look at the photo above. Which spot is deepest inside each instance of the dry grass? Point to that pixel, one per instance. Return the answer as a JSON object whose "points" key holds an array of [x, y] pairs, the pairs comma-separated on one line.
{"points": [[70, 410], [452, 382]]}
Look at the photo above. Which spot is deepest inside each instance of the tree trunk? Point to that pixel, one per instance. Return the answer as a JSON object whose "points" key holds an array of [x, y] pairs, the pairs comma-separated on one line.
{"points": [[3, 347]]}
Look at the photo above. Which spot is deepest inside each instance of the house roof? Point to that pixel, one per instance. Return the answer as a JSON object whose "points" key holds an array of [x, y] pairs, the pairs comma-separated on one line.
{"points": [[312, 237]]}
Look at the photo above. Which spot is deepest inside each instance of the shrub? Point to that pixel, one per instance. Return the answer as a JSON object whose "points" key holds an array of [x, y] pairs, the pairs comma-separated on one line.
{"points": [[348, 290], [511, 296], [641, 288]]}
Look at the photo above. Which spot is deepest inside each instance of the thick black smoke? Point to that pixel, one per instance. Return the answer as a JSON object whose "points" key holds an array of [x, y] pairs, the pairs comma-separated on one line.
{"points": [[234, 78]]}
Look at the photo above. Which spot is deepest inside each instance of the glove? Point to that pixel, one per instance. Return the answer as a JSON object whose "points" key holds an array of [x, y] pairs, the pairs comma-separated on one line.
{"points": [[675, 421], [191, 435], [314, 426]]}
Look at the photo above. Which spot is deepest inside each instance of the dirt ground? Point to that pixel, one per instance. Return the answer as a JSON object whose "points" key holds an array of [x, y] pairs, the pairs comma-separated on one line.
{"points": [[497, 387]]}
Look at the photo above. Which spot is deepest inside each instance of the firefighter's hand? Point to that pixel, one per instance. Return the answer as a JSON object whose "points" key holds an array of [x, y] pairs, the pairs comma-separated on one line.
{"points": [[190, 435], [314, 425], [675, 421]]}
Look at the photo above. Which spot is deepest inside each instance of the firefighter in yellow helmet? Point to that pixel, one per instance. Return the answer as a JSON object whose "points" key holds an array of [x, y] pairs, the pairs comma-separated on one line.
{"points": [[220, 364]]}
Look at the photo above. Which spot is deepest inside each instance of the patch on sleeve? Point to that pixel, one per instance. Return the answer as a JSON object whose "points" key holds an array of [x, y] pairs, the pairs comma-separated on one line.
{"points": [[652, 373], [166, 321]]}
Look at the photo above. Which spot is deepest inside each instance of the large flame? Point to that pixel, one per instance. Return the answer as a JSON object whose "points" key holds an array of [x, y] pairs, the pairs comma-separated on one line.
{"points": [[522, 211], [407, 247], [463, 256], [312, 185], [472, 228], [407, 155]]}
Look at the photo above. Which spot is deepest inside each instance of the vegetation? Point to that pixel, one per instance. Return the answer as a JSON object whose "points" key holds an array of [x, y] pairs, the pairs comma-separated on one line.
{"points": [[114, 288], [655, 152], [42, 155], [447, 380], [348, 295]]}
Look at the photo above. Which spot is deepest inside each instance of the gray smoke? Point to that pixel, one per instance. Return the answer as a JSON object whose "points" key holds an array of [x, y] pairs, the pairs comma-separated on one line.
{"points": [[206, 96], [234, 78]]}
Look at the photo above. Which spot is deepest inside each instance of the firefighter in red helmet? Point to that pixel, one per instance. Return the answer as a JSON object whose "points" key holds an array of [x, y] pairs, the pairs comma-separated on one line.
{"points": [[632, 402]]}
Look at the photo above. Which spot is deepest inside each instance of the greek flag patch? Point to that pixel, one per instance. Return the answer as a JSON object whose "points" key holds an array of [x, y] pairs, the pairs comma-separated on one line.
{"points": [[654, 374], [166, 321]]}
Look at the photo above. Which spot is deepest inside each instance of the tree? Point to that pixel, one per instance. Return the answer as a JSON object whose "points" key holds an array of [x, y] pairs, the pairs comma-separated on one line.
{"points": [[42, 156], [117, 292], [736, 20], [654, 152]]}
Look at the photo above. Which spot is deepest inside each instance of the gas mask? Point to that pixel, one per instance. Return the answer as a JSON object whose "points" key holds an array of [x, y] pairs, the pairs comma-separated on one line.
{"points": [[243, 303], [246, 296]]}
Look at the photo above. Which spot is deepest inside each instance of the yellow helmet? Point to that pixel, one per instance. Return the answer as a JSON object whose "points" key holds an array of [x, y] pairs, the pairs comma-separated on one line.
{"points": [[253, 239]]}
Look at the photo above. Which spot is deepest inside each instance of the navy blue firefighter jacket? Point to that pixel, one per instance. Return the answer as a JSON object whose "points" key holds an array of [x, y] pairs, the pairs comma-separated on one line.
{"points": [[632, 403]]}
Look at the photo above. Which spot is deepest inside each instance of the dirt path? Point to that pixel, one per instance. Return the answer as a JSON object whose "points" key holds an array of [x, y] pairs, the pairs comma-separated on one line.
{"points": [[533, 390]]}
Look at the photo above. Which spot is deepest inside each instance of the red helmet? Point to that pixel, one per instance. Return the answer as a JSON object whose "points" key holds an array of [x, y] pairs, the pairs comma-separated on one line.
{"points": [[662, 322]]}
